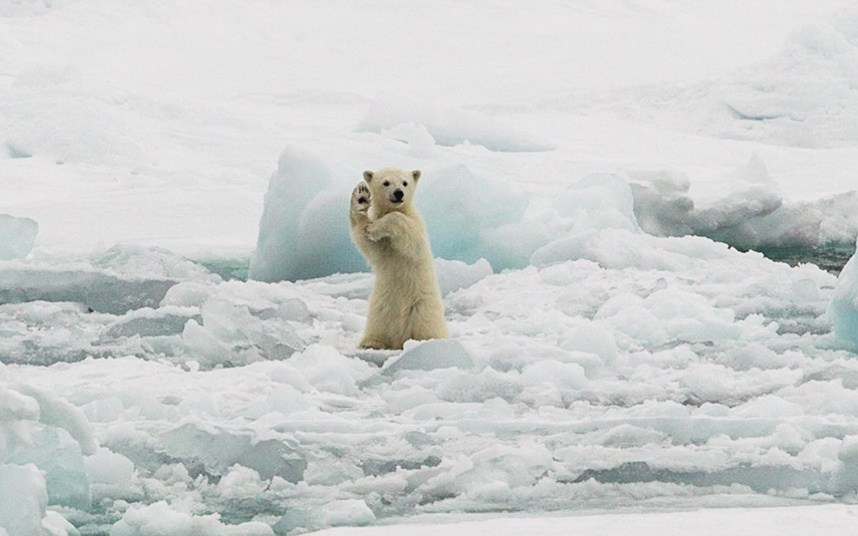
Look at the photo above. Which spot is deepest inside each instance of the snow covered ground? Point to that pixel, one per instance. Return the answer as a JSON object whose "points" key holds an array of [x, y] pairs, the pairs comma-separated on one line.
{"points": [[586, 167]]}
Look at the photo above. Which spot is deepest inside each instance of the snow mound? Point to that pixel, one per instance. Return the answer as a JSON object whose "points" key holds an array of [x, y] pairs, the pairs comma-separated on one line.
{"points": [[408, 120], [804, 96], [17, 236], [750, 214]]}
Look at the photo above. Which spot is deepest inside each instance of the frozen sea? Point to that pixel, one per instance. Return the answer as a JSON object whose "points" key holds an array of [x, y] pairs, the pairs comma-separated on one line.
{"points": [[641, 212]]}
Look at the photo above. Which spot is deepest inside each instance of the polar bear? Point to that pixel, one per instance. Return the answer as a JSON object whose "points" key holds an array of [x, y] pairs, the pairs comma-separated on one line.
{"points": [[387, 229]]}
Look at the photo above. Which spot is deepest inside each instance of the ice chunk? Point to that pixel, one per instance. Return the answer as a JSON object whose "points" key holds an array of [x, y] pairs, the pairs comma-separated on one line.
{"points": [[292, 244], [170, 520], [599, 201], [22, 510], [17, 236], [453, 275], [751, 214], [135, 261], [420, 141], [55, 452], [54, 445], [448, 126], [351, 512], [15, 406], [844, 305], [115, 281], [304, 230], [430, 355], [148, 322], [463, 211], [111, 475], [331, 372], [594, 339], [98, 291], [563, 376], [229, 333], [57, 412], [212, 450]]}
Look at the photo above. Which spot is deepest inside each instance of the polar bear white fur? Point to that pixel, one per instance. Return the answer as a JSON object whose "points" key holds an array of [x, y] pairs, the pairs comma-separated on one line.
{"points": [[387, 229]]}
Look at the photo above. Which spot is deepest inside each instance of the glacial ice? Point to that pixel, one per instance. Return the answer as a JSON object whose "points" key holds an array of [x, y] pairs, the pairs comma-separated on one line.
{"points": [[844, 305], [470, 216], [17, 236], [308, 188]]}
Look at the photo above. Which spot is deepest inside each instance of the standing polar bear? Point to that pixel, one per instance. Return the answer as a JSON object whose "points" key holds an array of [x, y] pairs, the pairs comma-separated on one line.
{"points": [[386, 227]]}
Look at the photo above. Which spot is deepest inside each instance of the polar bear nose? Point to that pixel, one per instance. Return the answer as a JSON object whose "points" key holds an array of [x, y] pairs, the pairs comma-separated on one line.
{"points": [[398, 195]]}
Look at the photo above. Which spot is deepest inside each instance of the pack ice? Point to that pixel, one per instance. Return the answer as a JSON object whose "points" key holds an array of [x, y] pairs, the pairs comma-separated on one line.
{"points": [[619, 368], [610, 347]]}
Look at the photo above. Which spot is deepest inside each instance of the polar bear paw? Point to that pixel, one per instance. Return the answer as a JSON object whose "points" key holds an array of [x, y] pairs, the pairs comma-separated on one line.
{"points": [[361, 198]]}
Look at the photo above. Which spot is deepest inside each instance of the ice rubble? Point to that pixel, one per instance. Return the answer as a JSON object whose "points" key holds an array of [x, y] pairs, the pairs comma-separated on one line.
{"points": [[617, 367], [620, 368]]}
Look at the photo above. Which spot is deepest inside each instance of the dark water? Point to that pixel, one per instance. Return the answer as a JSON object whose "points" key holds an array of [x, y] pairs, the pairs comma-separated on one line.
{"points": [[831, 258]]}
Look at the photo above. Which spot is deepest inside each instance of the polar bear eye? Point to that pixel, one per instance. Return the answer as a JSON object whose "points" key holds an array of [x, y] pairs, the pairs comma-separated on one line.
{"points": [[404, 183], [386, 183]]}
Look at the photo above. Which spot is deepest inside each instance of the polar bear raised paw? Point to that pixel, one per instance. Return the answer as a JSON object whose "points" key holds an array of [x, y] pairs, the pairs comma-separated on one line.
{"points": [[361, 198]]}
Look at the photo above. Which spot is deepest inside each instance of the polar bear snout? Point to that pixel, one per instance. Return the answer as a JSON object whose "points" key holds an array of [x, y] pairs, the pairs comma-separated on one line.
{"points": [[398, 196]]}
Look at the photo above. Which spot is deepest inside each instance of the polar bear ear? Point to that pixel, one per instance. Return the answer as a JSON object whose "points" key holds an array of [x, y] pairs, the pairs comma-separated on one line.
{"points": [[367, 176], [416, 174]]}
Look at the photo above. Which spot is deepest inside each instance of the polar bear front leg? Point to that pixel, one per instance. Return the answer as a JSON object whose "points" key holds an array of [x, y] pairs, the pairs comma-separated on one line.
{"points": [[359, 220], [394, 226], [361, 198]]}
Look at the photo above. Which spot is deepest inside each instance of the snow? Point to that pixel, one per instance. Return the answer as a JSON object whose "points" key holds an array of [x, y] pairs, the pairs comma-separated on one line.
{"points": [[834, 520], [589, 170]]}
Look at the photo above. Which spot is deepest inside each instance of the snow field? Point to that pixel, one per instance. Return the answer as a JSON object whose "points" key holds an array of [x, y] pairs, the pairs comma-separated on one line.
{"points": [[834, 520]]}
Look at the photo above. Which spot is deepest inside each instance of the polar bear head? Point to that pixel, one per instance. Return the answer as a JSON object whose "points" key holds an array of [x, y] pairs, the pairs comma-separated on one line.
{"points": [[391, 189]]}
